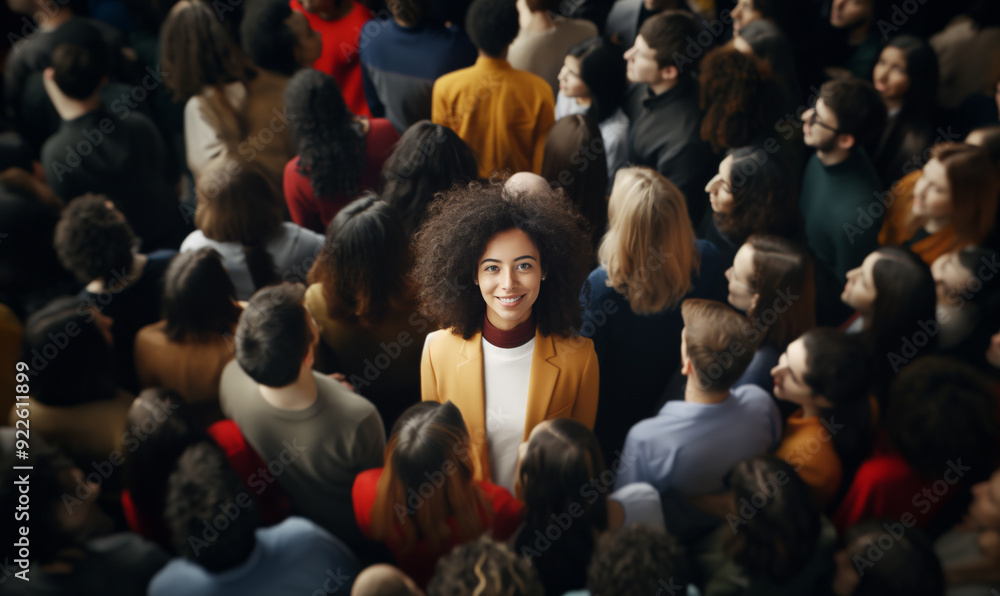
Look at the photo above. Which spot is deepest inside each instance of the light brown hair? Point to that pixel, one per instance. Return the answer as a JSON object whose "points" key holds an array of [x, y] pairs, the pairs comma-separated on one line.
{"points": [[716, 343]]}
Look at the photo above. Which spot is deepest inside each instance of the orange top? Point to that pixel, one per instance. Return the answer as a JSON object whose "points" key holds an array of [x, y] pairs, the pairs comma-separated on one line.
{"points": [[899, 226], [808, 447]]}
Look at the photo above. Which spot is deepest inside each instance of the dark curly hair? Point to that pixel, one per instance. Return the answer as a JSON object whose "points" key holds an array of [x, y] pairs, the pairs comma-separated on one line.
{"points": [[461, 224], [93, 240], [734, 86], [492, 25], [330, 145], [429, 158], [765, 200], [633, 560], [484, 567], [266, 38]]}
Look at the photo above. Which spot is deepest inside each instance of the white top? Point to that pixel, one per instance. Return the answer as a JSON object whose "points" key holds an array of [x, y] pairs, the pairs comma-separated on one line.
{"points": [[613, 132], [641, 503], [294, 251], [506, 372], [201, 140]]}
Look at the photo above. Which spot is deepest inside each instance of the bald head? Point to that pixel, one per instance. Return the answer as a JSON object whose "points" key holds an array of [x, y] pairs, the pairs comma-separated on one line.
{"points": [[384, 580], [527, 182]]}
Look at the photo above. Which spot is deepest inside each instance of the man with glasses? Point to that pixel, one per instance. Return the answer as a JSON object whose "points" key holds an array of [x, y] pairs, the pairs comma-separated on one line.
{"points": [[840, 188]]}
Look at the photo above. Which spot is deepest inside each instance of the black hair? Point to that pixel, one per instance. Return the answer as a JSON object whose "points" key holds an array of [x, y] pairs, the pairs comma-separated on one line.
{"points": [[79, 69], [634, 561], [857, 106], [266, 37], [199, 299], [492, 25], [330, 145], [909, 568], [93, 240], [429, 158], [273, 335], [603, 71], [203, 490], [765, 198], [71, 361], [922, 71]]}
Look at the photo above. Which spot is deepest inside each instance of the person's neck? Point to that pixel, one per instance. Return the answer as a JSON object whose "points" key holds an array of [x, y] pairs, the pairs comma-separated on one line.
{"points": [[893, 105], [584, 101], [936, 224], [502, 56], [71, 109], [696, 396], [59, 18], [123, 280], [536, 22], [857, 35], [298, 396], [810, 411], [663, 86], [833, 157]]}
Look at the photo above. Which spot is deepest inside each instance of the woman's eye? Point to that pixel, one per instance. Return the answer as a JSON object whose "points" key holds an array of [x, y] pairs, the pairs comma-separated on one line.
{"points": [[491, 268], [524, 266]]}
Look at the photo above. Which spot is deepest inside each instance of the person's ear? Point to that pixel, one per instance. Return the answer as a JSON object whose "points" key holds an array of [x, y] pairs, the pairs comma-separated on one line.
{"points": [[670, 73], [49, 73], [845, 141]]}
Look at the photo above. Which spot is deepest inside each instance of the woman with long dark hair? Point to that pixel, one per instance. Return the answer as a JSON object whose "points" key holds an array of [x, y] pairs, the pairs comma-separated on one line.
{"points": [[338, 154], [429, 455]]}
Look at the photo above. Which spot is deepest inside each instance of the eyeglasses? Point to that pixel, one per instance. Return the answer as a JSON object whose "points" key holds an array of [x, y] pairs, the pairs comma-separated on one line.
{"points": [[814, 121]]}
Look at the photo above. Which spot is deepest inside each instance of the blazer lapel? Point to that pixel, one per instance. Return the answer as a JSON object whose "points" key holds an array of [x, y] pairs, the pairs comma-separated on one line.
{"points": [[471, 399], [542, 383]]}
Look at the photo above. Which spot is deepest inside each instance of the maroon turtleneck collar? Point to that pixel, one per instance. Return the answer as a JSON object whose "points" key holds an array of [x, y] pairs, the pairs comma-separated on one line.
{"points": [[516, 337]]}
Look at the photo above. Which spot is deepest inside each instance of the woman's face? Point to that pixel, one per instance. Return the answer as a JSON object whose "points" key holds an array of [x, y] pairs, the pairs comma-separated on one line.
{"points": [[570, 82], [890, 78], [743, 14], [740, 277], [308, 44], [720, 189], [932, 195], [509, 277], [984, 511], [859, 292], [951, 279], [789, 376]]}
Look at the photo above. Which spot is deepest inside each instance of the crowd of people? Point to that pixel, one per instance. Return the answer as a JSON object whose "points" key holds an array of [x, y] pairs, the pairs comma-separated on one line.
{"points": [[500, 297]]}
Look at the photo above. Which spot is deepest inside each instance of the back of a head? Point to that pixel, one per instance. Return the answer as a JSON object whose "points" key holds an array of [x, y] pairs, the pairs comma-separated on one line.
{"points": [[266, 38], [987, 137], [776, 525], [649, 228], [909, 568], [273, 336], [711, 329], [429, 158], [636, 561], [735, 88], [70, 358], [838, 366], [235, 202], [412, 12], [941, 410], [785, 288], [667, 33], [197, 50], [485, 568], [858, 107], [362, 269], [203, 491], [922, 73], [79, 68], [765, 199], [905, 304], [384, 580], [199, 300], [584, 182], [492, 25], [603, 71], [93, 240]]}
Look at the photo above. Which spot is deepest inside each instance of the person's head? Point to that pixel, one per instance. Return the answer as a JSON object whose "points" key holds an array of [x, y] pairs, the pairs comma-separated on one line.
{"points": [[887, 280], [276, 335], [573, 141], [362, 264], [594, 69], [984, 511], [780, 536], [635, 561], [492, 25], [909, 568], [734, 93], [199, 299], [852, 14], [429, 440], [201, 489], [960, 276], [559, 459], [64, 508], [712, 328], [384, 580], [744, 13], [649, 250], [483, 250], [68, 344], [331, 147], [906, 75], [752, 193], [651, 59], [429, 158], [197, 51], [766, 40], [987, 137], [94, 241], [412, 12], [847, 114], [277, 38], [941, 410], [486, 568], [959, 184], [772, 281], [79, 69]]}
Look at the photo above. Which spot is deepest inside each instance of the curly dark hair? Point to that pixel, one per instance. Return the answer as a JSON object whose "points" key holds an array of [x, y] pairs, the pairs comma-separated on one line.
{"points": [[492, 25], [765, 200], [461, 224], [429, 158], [93, 240], [266, 38], [484, 567], [330, 146], [734, 86], [632, 561]]}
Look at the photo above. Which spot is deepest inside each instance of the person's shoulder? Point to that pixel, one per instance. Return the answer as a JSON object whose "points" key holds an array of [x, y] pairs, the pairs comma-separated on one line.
{"points": [[751, 396], [536, 83], [443, 341], [180, 576], [581, 27], [349, 407]]}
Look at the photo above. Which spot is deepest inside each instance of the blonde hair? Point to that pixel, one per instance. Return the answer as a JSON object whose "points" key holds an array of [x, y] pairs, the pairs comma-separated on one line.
{"points": [[649, 250]]}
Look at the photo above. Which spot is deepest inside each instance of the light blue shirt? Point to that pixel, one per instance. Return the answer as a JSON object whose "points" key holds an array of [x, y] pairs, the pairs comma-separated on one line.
{"points": [[689, 447]]}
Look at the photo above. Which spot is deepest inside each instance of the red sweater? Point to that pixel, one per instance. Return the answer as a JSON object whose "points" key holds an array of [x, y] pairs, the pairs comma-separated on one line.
{"points": [[315, 213], [419, 563], [341, 57]]}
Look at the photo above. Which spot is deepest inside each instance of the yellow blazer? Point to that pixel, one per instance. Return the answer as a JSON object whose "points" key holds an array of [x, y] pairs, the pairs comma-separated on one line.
{"points": [[563, 383]]}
